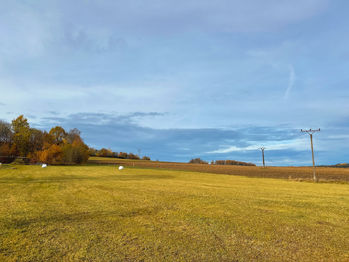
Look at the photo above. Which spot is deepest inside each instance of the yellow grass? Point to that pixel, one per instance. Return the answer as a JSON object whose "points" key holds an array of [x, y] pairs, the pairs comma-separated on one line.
{"points": [[97, 213]]}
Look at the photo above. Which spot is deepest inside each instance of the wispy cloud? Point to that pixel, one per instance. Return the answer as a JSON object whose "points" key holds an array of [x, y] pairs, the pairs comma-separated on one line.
{"points": [[232, 149], [295, 144], [98, 119], [339, 137], [291, 80]]}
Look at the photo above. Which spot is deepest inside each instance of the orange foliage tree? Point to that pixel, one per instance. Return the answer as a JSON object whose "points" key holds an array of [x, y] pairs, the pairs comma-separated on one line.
{"points": [[55, 147]]}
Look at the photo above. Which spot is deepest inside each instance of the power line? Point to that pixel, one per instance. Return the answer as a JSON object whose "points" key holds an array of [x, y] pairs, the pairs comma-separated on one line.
{"points": [[310, 133]]}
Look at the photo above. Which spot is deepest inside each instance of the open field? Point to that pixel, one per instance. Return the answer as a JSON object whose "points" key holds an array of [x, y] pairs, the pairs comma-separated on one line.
{"points": [[327, 174], [97, 213]]}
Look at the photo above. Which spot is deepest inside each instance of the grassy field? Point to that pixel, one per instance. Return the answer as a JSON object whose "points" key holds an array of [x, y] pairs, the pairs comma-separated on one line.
{"points": [[97, 213], [326, 174]]}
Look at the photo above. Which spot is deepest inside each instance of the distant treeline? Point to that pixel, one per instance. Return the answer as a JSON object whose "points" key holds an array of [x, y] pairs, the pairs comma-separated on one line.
{"points": [[197, 161], [104, 152], [18, 139], [231, 162], [342, 165], [221, 162]]}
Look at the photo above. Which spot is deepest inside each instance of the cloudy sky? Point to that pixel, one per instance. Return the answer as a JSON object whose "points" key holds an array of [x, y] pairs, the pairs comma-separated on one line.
{"points": [[183, 79]]}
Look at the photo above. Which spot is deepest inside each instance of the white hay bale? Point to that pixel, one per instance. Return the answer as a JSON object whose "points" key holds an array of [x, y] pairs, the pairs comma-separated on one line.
{"points": [[121, 167], [43, 165]]}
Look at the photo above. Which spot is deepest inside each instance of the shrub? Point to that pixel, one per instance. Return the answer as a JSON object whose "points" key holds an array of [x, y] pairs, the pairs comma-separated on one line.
{"points": [[53, 155], [105, 153], [7, 153], [197, 161], [133, 156], [123, 155]]}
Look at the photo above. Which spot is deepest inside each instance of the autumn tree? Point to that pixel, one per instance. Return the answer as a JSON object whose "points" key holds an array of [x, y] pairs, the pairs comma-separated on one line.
{"points": [[76, 152], [104, 152], [73, 134], [54, 147], [52, 155], [58, 134], [5, 132], [123, 155], [48, 140], [7, 152], [92, 151], [36, 139], [21, 135], [132, 156], [80, 151]]}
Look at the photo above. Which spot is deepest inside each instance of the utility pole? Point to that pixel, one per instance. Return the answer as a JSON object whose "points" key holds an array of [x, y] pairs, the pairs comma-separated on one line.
{"points": [[311, 132], [262, 148]]}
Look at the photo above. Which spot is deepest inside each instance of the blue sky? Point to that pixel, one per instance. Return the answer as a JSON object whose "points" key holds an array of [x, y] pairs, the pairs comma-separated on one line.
{"points": [[182, 79]]}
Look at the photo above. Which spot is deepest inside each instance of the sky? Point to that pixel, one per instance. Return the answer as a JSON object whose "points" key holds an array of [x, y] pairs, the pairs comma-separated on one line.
{"points": [[183, 79]]}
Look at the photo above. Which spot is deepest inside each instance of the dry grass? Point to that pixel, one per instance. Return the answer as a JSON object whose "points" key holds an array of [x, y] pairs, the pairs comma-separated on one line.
{"points": [[97, 213], [326, 174]]}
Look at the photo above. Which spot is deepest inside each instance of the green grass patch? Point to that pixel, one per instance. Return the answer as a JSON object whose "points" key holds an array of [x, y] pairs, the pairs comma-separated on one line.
{"points": [[98, 213]]}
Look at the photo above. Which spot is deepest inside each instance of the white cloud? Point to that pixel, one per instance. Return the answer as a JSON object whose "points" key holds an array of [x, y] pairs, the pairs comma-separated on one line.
{"points": [[295, 144], [291, 80], [339, 137]]}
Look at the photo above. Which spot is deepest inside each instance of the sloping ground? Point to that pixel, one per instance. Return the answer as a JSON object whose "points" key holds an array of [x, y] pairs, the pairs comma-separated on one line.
{"points": [[294, 173], [97, 213]]}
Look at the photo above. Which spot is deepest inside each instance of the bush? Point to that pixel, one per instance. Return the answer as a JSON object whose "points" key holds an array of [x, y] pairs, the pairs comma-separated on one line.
{"points": [[197, 161], [133, 156], [7, 153], [105, 153], [53, 155], [123, 155]]}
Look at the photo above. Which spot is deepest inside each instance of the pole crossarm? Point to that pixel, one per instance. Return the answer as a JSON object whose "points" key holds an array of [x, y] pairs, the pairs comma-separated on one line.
{"points": [[310, 131]]}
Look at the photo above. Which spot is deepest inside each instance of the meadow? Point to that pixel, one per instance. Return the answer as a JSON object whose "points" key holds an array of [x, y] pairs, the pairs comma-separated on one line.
{"points": [[325, 174], [98, 213]]}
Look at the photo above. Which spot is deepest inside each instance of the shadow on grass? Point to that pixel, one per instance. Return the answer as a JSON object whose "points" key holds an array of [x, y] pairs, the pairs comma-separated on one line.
{"points": [[79, 217], [67, 178]]}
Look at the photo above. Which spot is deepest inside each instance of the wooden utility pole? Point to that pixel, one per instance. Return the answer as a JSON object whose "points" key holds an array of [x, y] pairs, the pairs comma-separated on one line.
{"points": [[311, 132], [262, 148]]}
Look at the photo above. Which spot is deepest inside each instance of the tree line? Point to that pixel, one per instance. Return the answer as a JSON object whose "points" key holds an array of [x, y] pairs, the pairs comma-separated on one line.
{"points": [[231, 162], [104, 152], [221, 162], [18, 139], [57, 147]]}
